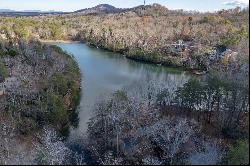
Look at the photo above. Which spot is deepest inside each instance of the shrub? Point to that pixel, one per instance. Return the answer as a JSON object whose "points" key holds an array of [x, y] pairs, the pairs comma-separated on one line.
{"points": [[26, 125], [60, 84], [234, 132], [41, 158], [238, 154], [58, 114], [13, 53]]}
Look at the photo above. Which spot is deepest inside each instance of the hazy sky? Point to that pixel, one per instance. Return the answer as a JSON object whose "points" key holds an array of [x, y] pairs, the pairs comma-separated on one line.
{"points": [[72, 5]]}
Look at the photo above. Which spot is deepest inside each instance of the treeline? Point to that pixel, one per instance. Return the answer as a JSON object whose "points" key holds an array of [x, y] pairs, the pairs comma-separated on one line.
{"points": [[155, 128], [223, 103], [146, 33], [42, 91], [56, 85]]}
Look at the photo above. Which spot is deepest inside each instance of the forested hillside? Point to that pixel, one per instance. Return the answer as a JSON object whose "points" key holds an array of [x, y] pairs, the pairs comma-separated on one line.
{"points": [[191, 40], [203, 120], [39, 87]]}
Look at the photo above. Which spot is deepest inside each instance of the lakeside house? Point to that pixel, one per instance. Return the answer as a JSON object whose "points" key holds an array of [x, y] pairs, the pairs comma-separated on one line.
{"points": [[179, 46]]}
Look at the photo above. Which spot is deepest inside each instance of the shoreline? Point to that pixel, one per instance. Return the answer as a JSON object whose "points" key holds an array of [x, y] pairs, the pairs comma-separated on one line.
{"points": [[192, 71], [59, 41]]}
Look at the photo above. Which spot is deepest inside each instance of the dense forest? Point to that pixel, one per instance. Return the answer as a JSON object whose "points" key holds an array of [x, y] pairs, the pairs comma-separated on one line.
{"points": [[152, 33], [205, 120], [192, 125], [41, 93]]}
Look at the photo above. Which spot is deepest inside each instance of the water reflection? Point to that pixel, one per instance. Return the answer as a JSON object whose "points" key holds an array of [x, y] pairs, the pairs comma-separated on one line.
{"points": [[105, 72]]}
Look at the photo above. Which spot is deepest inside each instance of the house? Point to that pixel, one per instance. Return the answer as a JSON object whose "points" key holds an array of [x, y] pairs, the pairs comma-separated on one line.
{"points": [[213, 55], [179, 46], [2, 86]]}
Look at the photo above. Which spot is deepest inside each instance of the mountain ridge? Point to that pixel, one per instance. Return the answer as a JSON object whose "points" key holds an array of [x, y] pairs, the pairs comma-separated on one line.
{"points": [[102, 8], [28, 11], [99, 9]]}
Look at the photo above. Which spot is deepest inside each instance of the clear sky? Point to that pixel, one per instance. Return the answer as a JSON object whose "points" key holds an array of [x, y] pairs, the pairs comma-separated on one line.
{"points": [[72, 5]]}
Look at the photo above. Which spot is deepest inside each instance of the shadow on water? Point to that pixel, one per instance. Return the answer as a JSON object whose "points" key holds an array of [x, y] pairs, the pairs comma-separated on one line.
{"points": [[133, 64]]}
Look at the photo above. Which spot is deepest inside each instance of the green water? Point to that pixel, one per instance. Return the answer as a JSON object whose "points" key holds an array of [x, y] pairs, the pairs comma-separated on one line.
{"points": [[105, 72]]}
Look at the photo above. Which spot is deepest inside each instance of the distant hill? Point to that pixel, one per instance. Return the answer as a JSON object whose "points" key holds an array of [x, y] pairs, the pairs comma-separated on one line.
{"points": [[99, 9], [6, 10], [9, 12], [106, 8], [30, 11]]}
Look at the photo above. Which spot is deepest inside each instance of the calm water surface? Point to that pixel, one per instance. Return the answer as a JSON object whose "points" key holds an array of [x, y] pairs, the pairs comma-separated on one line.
{"points": [[105, 72]]}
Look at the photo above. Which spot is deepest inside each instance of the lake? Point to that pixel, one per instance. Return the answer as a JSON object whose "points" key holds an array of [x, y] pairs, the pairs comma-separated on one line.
{"points": [[105, 72]]}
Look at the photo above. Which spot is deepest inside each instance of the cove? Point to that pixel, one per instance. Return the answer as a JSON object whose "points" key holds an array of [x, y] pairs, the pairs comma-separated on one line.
{"points": [[105, 72]]}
